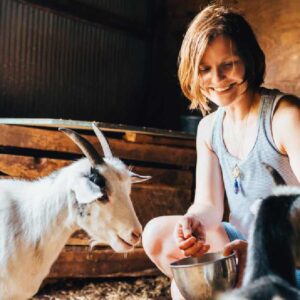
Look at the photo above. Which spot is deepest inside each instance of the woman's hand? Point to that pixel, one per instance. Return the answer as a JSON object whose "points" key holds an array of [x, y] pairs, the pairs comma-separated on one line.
{"points": [[190, 236], [240, 247]]}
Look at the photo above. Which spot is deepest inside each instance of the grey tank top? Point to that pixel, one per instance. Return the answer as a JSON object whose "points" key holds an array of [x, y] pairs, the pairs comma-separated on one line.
{"points": [[255, 182]]}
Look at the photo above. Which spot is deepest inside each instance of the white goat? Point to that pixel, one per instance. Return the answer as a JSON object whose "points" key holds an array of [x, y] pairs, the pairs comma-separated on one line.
{"points": [[274, 247], [38, 217]]}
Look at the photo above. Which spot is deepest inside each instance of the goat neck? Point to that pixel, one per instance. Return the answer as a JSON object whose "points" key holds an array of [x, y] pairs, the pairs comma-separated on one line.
{"points": [[270, 244]]}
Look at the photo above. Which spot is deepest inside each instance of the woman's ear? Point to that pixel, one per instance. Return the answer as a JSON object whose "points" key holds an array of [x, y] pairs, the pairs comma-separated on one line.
{"points": [[86, 191]]}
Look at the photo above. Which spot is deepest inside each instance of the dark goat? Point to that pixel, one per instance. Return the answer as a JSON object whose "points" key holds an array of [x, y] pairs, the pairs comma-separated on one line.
{"points": [[274, 247]]}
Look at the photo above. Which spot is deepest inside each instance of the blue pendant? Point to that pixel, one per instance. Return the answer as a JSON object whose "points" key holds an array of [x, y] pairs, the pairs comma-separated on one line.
{"points": [[236, 186]]}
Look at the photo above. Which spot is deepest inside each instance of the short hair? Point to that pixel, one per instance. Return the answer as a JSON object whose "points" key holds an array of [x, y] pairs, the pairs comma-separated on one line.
{"points": [[211, 22]]}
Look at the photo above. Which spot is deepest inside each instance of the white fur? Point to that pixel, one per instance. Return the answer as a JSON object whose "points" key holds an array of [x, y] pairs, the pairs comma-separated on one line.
{"points": [[38, 217], [285, 190]]}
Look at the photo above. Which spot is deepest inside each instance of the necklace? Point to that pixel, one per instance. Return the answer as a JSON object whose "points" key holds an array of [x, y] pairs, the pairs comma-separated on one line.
{"points": [[236, 171]]}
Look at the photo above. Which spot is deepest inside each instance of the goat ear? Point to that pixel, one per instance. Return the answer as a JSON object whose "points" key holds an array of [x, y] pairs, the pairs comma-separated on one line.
{"points": [[255, 206], [86, 191], [277, 178], [135, 178]]}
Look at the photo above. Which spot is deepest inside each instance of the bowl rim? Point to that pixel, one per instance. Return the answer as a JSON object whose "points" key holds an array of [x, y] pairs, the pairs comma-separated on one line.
{"points": [[173, 265]]}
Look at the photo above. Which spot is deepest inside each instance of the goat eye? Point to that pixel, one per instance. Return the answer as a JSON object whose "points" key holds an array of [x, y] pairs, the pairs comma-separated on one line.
{"points": [[96, 178], [104, 197]]}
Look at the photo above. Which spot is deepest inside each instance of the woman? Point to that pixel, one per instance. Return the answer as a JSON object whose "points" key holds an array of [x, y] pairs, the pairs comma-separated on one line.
{"points": [[220, 60]]}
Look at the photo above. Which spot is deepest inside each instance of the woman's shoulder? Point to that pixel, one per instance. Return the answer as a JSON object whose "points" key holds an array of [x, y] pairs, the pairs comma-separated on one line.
{"points": [[205, 128], [287, 104], [286, 119]]}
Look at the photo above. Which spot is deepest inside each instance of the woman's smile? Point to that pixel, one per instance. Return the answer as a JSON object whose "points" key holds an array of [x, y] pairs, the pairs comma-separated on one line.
{"points": [[221, 90]]}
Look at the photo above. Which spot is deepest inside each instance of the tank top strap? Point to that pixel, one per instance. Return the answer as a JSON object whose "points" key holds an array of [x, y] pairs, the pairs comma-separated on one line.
{"points": [[270, 101]]}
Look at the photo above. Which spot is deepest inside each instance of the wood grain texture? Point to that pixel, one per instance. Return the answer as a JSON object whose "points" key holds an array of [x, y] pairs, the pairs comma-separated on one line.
{"points": [[80, 261], [277, 26], [27, 167], [49, 140]]}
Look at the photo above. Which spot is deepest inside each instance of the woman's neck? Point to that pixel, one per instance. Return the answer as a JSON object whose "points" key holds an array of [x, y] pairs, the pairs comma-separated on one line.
{"points": [[241, 108], [240, 124]]}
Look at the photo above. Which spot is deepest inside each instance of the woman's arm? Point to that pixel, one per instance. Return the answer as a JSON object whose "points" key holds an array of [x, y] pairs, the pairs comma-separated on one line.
{"points": [[286, 130], [207, 210], [209, 195]]}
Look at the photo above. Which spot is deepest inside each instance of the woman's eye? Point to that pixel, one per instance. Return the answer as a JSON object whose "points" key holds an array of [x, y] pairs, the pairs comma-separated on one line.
{"points": [[229, 64], [203, 69]]}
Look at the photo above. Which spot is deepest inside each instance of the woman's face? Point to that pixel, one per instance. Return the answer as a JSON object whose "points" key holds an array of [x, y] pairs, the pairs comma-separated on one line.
{"points": [[222, 72]]}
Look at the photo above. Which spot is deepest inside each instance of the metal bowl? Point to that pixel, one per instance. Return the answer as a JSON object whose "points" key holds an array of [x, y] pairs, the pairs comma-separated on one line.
{"points": [[200, 278]]}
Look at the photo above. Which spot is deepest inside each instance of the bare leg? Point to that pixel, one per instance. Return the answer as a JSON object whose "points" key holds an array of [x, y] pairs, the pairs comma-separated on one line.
{"points": [[160, 245]]}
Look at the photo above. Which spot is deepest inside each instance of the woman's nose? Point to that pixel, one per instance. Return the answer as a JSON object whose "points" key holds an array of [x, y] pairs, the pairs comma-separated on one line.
{"points": [[217, 76]]}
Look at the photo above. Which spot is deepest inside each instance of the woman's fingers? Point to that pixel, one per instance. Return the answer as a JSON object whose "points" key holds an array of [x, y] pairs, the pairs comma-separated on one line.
{"points": [[198, 249], [240, 247], [202, 251], [188, 243], [190, 236], [186, 227]]}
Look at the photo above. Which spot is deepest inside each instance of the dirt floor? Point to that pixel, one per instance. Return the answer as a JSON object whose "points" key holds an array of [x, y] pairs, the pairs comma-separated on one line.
{"points": [[156, 288]]}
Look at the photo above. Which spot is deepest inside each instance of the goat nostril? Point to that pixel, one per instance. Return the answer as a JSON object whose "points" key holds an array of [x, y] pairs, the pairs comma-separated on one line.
{"points": [[136, 235]]}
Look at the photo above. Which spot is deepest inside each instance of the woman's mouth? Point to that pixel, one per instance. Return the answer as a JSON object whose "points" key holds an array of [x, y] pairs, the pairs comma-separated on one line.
{"points": [[220, 90]]}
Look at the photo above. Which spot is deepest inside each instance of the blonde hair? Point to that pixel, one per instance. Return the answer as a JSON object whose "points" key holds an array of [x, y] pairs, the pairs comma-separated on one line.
{"points": [[217, 20]]}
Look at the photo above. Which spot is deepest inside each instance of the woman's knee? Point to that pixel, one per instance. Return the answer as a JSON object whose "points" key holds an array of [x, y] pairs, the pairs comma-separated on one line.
{"points": [[157, 233], [151, 238]]}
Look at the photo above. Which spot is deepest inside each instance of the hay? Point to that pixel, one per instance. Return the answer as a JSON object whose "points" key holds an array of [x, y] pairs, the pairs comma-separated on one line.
{"points": [[157, 288]]}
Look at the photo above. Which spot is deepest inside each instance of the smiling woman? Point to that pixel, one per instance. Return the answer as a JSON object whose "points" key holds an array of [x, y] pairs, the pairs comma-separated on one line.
{"points": [[220, 61], [222, 72]]}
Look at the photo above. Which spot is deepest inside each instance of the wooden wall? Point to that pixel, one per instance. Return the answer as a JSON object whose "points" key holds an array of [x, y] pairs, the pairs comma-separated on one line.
{"points": [[277, 26]]}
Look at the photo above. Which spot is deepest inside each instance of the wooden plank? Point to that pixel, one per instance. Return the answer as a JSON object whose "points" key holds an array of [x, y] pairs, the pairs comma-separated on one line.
{"points": [[28, 167], [152, 201], [76, 262], [41, 139], [86, 125], [172, 177], [159, 140]]}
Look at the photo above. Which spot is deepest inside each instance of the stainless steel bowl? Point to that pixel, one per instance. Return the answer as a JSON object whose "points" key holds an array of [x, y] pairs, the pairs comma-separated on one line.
{"points": [[200, 278]]}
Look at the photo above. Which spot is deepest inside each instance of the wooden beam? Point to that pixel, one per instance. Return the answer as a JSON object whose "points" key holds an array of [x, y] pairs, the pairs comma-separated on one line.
{"points": [[80, 261], [87, 125], [49, 140], [158, 140], [28, 167]]}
